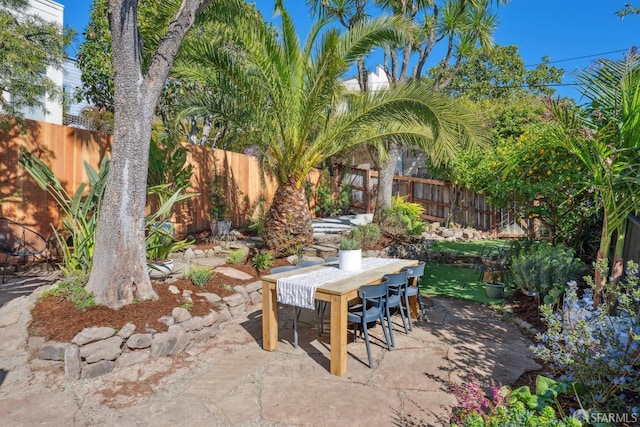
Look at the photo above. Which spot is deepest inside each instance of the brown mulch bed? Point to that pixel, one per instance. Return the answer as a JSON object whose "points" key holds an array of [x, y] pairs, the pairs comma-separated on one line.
{"points": [[56, 318]]}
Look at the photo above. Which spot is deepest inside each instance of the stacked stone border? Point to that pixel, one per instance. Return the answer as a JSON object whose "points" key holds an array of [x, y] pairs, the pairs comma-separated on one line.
{"points": [[97, 351]]}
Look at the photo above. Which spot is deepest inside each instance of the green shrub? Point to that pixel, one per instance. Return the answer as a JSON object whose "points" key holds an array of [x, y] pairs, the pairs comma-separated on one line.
{"points": [[403, 220], [161, 241], [200, 275], [262, 261], [410, 213], [367, 235], [236, 256], [71, 288], [348, 244], [545, 268], [255, 224], [344, 197]]}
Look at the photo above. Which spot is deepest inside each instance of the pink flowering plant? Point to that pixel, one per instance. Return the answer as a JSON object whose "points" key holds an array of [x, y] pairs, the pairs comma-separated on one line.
{"points": [[503, 408], [472, 400]]}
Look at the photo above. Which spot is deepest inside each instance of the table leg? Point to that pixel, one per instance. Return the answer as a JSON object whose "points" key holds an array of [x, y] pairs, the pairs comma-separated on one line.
{"points": [[339, 308], [413, 307], [269, 318], [413, 301]]}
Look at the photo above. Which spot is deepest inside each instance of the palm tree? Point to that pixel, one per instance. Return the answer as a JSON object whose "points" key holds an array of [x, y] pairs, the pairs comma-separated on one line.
{"points": [[300, 111], [606, 139]]}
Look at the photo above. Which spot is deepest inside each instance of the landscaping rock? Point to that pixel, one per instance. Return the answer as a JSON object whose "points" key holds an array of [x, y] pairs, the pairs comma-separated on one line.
{"points": [[167, 320], [126, 331], [172, 342], [138, 341], [108, 349], [72, 362], [233, 273], [211, 297], [193, 324], [97, 369], [131, 358], [174, 289], [179, 314], [89, 335], [52, 350], [209, 319]]}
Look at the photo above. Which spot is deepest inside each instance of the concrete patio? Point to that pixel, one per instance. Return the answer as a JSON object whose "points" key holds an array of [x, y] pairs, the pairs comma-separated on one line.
{"points": [[231, 381]]}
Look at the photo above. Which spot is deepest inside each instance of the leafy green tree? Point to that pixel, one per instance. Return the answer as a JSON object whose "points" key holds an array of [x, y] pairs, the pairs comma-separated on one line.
{"points": [[94, 59], [348, 14], [521, 172], [301, 111], [119, 271], [499, 73], [28, 46]]}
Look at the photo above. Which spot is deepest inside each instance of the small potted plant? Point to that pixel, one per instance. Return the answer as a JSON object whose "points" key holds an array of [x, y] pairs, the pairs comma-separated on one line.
{"points": [[495, 287], [349, 254]]}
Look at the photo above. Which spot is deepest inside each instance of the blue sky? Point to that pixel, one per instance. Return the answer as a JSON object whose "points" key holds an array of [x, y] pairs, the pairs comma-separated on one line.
{"points": [[572, 32]]}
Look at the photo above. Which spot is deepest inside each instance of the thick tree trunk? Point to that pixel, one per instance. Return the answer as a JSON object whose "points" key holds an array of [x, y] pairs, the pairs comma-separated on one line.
{"points": [[385, 179], [119, 272], [288, 222]]}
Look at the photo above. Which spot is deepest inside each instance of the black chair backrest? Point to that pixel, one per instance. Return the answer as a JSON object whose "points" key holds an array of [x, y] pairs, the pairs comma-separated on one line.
{"points": [[18, 240]]}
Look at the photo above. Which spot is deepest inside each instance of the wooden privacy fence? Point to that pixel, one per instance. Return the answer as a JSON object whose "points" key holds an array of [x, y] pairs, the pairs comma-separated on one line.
{"points": [[443, 202], [65, 149]]}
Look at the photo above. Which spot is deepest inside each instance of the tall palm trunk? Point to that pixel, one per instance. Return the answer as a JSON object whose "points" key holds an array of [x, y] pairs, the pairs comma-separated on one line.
{"points": [[288, 222], [385, 178]]}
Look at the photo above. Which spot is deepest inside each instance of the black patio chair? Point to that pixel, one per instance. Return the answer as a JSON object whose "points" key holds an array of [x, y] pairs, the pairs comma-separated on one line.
{"points": [[16, 240]]}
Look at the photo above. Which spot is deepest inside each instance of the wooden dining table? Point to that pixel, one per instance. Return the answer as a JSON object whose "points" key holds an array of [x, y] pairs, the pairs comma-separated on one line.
{"points": [[338, 293]]}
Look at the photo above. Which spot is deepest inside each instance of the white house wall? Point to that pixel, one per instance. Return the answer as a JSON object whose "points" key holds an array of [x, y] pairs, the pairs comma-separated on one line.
{"points": [[52, 12]]}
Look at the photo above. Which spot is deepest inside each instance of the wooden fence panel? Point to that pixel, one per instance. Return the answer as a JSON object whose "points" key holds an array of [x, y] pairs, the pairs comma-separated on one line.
{"points": [[443, 202], [65, 149]]}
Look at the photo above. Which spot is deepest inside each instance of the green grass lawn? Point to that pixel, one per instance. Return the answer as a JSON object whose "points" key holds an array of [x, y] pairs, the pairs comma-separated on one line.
{"points": [[454, 282], [459, 282]]}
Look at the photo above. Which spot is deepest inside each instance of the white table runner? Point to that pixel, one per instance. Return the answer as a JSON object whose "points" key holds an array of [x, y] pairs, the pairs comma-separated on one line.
{"points": [[300, 289]]}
